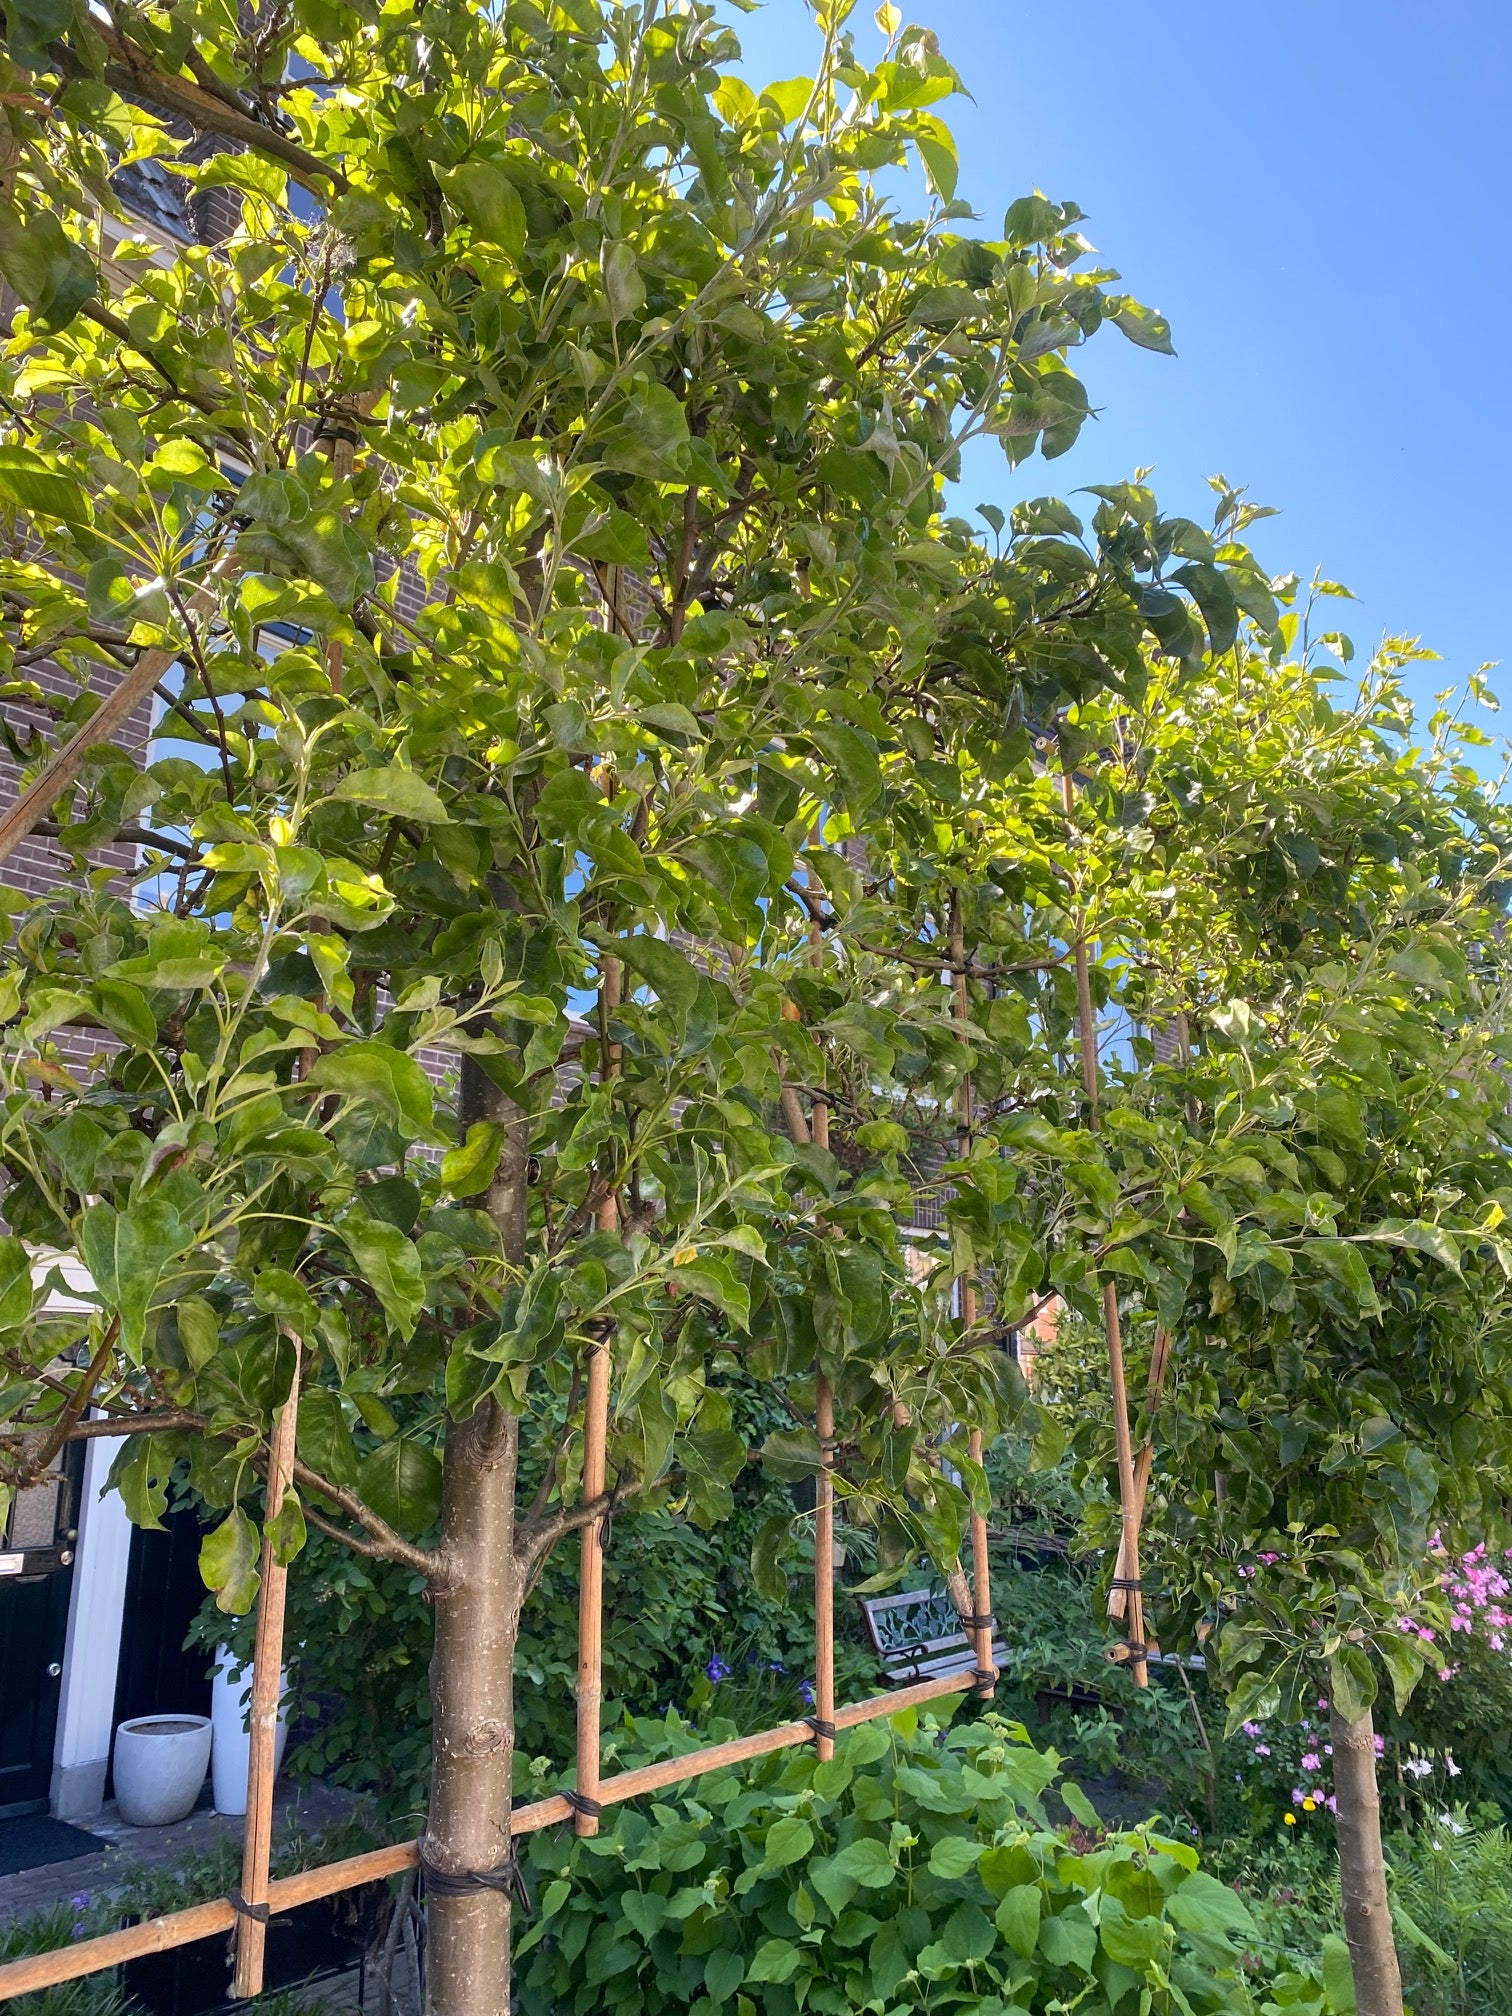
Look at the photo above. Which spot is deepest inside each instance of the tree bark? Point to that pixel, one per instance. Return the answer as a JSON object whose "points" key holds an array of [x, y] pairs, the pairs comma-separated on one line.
{"points": [[472, 1670], [1362, 1869]]}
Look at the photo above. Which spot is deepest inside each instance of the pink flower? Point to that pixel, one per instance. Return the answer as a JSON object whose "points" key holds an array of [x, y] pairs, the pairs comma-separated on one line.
{"points": [[1380, 1746], [1312, 1761]]}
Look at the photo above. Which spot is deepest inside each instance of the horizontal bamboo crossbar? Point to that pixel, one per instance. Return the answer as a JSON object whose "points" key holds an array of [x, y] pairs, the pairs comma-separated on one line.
{"points": [[203, 1921]]}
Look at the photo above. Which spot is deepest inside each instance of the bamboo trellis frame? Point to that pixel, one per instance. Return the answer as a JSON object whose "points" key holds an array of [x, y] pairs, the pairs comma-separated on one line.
{"points": [[204, 1921], [1130, 1498], [247, 1913]]}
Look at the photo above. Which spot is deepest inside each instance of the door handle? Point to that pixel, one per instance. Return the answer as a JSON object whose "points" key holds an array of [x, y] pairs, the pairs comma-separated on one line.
{"points": [[54, 1671]]}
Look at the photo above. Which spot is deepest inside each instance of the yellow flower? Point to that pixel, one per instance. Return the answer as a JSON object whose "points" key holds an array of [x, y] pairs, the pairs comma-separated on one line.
{"points": [[683, 1255], [1290, 1819], [1309, 1805]]}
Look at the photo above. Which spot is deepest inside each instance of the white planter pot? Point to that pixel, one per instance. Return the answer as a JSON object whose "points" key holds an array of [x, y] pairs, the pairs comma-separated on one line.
{"points": [[160, 1765], [230, 1702]]}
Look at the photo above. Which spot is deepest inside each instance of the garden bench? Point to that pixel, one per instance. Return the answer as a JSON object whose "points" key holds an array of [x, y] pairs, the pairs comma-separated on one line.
{"points": [[918, 1636]]}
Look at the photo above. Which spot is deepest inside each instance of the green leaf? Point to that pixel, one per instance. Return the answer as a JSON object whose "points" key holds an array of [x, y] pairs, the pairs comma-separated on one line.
{"points": [[1338, 1976], [1143, 326], [16, 1291], [469, 1168], [126, 1253], [1017, 1917], [286, 1531], [383, 1077], [765, 1559], [1068, 1940], [50, 273], [198, 1329], [937, 150], [624, 289], [32, 485], [853, 758], [324, 1437], [490, 203], [674, 977], [390, 1265], [140, 1473], [652, 437], [1420, 1237], [724, 1970], [1203, 1904], [228, 1563], [400, 793], [716, 1282], [1404, 1660], [776, 1960], [31, 25], [284, 1296], [1211, 592], [788, 1841], [1078, 1805], [75, 1144], [969, 1934], [401, 1482], [1352, 1681], [124, 1011], [954, 1856], [866, 1862]]}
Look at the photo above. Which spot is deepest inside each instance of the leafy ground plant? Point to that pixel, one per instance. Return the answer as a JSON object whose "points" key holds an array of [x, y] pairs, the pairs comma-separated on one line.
{"points": [[917, 1870]]}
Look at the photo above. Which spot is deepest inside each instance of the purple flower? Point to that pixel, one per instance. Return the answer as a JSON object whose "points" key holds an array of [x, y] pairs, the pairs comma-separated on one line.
{"points": [[1310, 1761], [806, 1689], [717, 1670]]}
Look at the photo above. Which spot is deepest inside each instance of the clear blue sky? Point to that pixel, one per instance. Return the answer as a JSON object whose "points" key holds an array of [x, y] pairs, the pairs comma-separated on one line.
{"points": [[1315, 192]]}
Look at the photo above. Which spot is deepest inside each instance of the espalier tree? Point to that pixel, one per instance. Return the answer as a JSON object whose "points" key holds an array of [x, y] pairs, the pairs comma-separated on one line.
{"points": [[478, 995], [1315, 898]]}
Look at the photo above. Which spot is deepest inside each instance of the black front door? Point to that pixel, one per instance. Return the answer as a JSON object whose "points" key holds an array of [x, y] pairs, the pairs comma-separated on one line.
{"points": [[36, 1574]]}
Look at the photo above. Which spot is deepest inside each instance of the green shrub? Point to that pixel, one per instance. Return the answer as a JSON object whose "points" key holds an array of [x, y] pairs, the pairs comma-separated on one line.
{"points": [[1451, 1886], [43, 1932], [919, 1868]]}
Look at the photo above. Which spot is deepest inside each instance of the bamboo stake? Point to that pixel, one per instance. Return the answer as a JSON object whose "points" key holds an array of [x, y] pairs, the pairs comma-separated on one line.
{"points": [[1128, 1553], [824, 1571], [204, 1921], [981, 1567], [824, 1484], [1144, 1462], [343, 454], [267, 1671], [590, 1674], [112, 714]]}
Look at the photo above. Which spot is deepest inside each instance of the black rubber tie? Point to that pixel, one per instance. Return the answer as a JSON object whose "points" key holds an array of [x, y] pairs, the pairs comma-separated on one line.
{"points": [[581, 1802], [824, 1731], [980, 1623], [466, 1882], [1139, 1654], [1130, 1582], [243, 1909], [986, 1679]]}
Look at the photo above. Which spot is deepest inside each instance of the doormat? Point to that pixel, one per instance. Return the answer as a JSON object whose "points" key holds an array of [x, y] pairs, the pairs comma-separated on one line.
{"points": [[35, 1841]]}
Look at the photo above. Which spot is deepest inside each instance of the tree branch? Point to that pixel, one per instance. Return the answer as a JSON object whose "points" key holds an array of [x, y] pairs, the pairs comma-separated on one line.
{"points": [[64, 1428], [136, 76], [391, 1545], [540, 1536]]}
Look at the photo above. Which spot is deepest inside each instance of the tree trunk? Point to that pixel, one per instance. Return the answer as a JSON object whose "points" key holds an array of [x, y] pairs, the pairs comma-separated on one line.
{"points": [[1362, 1869], [472, 1670]]}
